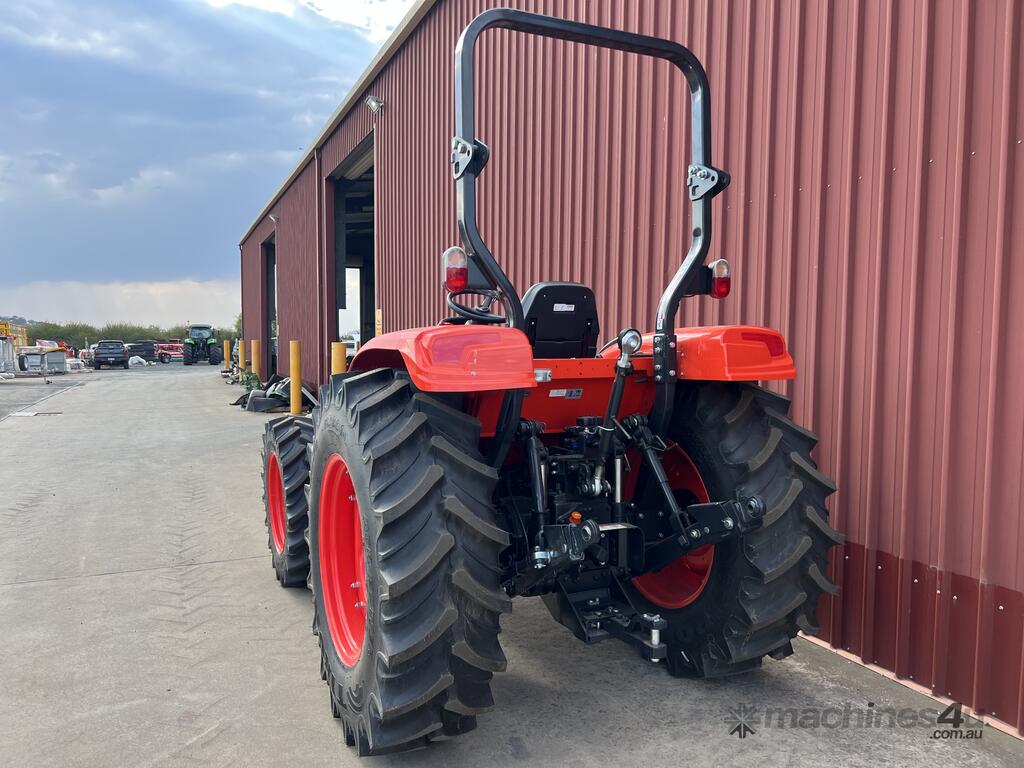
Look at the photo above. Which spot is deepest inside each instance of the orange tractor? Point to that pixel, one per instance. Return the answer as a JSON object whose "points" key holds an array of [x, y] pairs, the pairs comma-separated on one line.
{"points": [[648, 491]]}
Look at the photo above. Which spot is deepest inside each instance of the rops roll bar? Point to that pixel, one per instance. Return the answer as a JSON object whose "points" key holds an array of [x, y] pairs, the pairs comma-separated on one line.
{"points": [[469, 156]]}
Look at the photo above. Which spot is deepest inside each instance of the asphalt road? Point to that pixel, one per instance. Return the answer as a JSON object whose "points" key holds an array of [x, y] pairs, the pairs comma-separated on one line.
{"points": [[142, 626]]}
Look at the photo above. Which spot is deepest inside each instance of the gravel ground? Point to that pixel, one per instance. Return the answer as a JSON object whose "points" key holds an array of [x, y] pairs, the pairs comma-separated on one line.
{"points": [[143, 626]]}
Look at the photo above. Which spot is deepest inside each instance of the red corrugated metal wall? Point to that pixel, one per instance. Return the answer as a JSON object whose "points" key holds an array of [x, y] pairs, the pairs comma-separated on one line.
{"points": [[298, 314], [878, 173]]}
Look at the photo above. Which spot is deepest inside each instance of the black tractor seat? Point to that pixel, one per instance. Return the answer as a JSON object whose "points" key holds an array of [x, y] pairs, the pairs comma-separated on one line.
{"points": [[561, 320]]}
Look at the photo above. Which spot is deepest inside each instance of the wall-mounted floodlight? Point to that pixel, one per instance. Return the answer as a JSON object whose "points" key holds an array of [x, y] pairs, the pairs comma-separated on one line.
{"points": [[375, 103], [274, 218]]}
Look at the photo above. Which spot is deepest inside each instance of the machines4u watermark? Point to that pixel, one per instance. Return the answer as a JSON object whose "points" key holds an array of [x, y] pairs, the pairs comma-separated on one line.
{"points": [[949, 724]]}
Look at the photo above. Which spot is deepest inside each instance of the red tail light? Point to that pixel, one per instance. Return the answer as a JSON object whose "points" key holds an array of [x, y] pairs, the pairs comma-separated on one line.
{"points": [[721, 280], [455, 266]]}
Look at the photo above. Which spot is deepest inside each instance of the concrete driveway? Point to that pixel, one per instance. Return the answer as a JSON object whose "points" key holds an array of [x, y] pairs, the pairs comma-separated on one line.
{"points": [[17, 395], [142, 626]]}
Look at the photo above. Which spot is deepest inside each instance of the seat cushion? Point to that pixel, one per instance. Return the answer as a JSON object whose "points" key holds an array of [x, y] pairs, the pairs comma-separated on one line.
{"points": [[561, 320]]}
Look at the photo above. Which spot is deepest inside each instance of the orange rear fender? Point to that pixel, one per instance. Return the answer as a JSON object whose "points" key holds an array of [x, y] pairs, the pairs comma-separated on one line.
{"points": [[454, 358], [727, 353], [733, 353], [485, 361]]}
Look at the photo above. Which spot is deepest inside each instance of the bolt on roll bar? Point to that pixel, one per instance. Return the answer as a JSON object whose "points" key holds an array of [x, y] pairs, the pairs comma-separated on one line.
{"points": [[469, 155]]}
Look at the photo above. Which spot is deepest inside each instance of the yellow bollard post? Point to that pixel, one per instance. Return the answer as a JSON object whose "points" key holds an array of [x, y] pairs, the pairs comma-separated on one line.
{"points": [[227, 355], [256, 359], [295, 360], [338, 361], [241, 355]]}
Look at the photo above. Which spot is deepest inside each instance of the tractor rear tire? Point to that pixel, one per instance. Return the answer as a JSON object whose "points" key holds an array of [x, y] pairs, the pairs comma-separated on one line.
{"points": [[187, 354], [762, 587], [419, 662], [285, 475], [215, 355]]}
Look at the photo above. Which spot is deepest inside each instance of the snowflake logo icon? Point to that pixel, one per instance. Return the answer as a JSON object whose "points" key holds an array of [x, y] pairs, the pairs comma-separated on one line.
{"points": [[742, 720]]}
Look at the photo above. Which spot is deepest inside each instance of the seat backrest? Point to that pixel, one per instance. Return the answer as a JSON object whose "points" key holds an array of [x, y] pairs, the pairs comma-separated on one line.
{"points": [[561, 320]]}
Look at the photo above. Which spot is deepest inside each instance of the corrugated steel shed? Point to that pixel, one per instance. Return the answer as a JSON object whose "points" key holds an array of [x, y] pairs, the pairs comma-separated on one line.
{"points": [[877, 154]]}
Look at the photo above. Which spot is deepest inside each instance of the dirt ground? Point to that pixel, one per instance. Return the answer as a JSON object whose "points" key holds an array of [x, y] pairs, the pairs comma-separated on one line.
{"points": [[142, 625]]}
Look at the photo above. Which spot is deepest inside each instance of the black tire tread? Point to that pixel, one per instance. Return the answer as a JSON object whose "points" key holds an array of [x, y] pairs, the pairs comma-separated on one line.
{"points": [[782, 565], [437, 548], [289, 437]]}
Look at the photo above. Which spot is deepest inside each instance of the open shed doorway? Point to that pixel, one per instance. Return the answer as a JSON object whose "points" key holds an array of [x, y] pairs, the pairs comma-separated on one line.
{"points": [[353, 246], [270, 302]]}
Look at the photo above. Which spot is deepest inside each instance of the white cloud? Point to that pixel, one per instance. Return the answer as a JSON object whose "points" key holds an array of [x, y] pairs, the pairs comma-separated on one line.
{"points": [[147, 303], [76, 30], [49, 176], [134, 41], [375, 19], [286, 7], [43, 174], [33, 110], [86, 42], [307, 119], [145, 182]]}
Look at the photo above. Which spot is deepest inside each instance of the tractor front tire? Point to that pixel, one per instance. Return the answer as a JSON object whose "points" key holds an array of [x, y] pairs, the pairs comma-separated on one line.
{"points": [[404, 563], [285, 475], [764, 586]]}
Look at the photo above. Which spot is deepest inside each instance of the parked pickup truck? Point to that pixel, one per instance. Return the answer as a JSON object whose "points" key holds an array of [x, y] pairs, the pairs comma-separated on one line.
{"points": [[110, 352], [146, 349]]}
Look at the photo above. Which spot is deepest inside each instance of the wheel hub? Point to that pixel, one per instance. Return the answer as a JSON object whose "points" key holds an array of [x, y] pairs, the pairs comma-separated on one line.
{"points": [[342, 561]]}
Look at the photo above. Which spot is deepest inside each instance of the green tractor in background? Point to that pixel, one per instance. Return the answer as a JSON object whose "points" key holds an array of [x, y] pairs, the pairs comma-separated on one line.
{"points": [[201, 344]]}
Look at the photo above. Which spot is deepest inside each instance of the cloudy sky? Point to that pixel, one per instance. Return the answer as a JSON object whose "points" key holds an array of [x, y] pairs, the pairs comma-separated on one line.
{"points": [[140, 137]]}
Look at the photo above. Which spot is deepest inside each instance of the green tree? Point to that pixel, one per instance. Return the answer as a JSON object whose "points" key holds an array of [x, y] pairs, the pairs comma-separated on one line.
{"points": [[80, 334], [74, 334]]}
